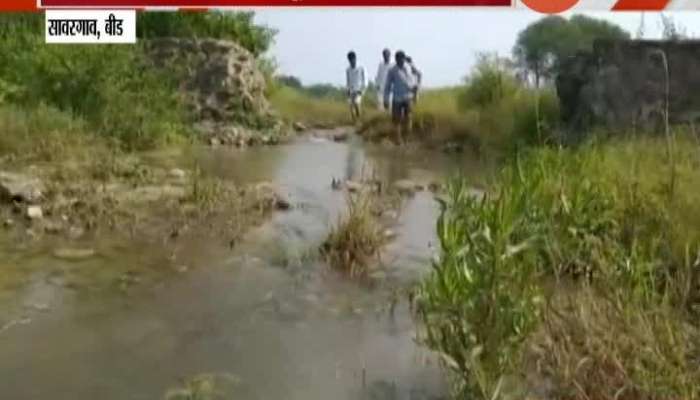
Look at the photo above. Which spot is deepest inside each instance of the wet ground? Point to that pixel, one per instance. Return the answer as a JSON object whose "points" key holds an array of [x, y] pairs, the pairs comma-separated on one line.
{"points": [[268, 311]]}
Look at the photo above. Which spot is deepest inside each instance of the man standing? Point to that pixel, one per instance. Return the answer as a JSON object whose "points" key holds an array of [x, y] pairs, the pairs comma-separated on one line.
{"points": [[356, 84], [400, 84], [417, 77], [380, 80]]}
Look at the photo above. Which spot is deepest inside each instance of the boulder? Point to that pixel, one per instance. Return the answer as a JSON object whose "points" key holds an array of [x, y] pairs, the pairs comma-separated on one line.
{"points": [[222, 87], [20, 188]]}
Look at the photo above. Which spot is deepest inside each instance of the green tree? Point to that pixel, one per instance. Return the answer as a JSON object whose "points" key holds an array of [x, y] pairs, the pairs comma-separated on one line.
{"points": [[236, 26], [544, 44]]}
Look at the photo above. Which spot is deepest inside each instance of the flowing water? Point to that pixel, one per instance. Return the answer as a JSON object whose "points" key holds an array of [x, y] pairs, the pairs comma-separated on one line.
{"points": [[265, 311]]}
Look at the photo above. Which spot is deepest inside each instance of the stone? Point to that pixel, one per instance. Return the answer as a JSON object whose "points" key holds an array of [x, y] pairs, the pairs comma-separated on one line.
{"points": [[353, 186], [340, 136], [389, 234], [34, 213], [272, 195], [299, 127], [20, 188], [214, 142], [177, 173], [75, 232], [434, 187], [406, 186], [74, 254], [52, 227], [8, 223]]}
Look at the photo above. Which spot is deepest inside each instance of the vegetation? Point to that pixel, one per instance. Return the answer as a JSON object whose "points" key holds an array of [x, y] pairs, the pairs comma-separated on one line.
{"points": [[114, 90], [236, 26], [298, 106], [579, 267], [544, 44], [356, 239]]}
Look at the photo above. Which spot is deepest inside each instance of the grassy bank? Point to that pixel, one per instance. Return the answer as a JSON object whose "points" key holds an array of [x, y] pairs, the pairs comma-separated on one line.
{"points": [[492, 113], [116, 91], [577, 275]]}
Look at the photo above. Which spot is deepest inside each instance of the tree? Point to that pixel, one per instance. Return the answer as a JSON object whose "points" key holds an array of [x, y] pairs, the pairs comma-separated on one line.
{"points": [[542, 45]]}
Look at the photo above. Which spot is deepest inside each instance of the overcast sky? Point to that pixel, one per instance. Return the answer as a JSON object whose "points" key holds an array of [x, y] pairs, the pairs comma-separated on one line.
{"points": [[312, 43]]}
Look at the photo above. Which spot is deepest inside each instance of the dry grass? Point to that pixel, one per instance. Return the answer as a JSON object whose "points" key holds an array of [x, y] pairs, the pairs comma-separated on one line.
{"points": [[355, 241], [597, 344]]}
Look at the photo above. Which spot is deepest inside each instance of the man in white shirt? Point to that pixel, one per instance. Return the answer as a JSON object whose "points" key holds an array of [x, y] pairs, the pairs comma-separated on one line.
{"points": [[417, 77], [356, 84], [380, 80]]}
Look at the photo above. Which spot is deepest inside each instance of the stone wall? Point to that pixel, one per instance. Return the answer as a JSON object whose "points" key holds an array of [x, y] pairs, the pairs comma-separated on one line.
{"points": [[622, 85]]}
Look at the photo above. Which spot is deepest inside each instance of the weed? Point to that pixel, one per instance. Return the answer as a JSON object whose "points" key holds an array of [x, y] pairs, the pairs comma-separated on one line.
{"points": [[357, 237]]}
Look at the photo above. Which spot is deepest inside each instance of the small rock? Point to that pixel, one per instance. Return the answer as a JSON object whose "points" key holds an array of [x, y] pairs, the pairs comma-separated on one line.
{"points": [[177, 173], [273, 195], [353, 186], [182, 269], [390, 214], [405, 186], [74, 254], [434, 187], [75, 232], [299, 127], [214, 142], [340, 137], [53, 228], [8, 223], [389, 234], [453, 147], [34, 213]]}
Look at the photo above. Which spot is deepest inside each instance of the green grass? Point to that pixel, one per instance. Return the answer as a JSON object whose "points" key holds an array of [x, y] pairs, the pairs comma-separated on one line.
{"points": [[296, 106], [579, 267], [355, 241]]}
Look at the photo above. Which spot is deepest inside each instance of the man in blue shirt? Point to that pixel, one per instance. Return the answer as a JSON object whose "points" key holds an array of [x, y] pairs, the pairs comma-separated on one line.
{"points": [[401, 85]]}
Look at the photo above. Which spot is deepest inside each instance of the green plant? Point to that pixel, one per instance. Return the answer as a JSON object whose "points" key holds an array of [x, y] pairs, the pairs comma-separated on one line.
{"points": [[481, 301], [357, 237]]}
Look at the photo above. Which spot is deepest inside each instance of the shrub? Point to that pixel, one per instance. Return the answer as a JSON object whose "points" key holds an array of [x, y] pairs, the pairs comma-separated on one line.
{"points": [[594, 231]]}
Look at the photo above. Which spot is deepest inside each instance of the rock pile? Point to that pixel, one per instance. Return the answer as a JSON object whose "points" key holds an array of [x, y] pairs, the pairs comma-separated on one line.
{"points": [[222, 85]]}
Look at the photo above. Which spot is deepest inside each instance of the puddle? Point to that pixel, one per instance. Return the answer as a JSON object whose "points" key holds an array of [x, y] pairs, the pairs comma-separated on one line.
{"points": [[287, 329]]}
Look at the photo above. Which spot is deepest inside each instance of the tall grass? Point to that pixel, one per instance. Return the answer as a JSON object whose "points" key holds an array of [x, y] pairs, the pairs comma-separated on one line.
{"points": [[355, 241], [574, 269]]}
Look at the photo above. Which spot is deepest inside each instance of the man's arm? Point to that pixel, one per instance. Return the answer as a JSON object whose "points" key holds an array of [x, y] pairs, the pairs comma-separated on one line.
{"points": [[347, 80]]}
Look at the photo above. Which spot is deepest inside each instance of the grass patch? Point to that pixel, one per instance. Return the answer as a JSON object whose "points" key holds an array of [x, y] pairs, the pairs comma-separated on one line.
{"points": [[296, 106], [355, 241], [579, 267]]}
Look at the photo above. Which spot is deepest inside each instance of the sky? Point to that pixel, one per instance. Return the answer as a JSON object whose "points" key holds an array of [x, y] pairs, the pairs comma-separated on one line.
{"points": [[312, 42]]}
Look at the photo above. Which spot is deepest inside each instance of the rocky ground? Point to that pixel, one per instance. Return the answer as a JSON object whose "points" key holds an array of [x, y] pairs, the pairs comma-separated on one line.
{"points": [[69, 212]]}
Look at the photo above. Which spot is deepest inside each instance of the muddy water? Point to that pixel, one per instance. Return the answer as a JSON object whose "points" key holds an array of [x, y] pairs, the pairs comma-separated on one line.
{"points": [[266, 312]]}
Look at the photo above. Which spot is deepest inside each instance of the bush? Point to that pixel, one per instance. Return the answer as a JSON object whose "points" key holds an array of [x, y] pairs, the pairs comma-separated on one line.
{"points": [[115, 89], [596, 233], [236, 26]]}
